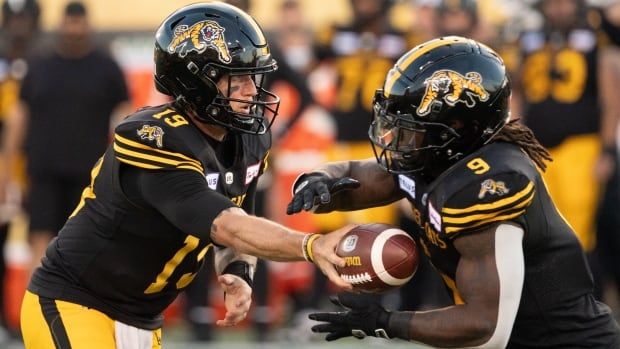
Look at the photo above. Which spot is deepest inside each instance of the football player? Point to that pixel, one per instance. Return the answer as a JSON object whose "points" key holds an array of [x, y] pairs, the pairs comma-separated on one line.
{"points": [[178, 179], [569, 97], [444, 140]]}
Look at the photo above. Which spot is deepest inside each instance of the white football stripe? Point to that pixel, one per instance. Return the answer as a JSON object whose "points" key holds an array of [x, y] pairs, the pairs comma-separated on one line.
{"points": [[376, 257]]}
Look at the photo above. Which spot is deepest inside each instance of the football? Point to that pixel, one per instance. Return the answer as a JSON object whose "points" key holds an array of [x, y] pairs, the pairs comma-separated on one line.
{"points": [[378, 257]]}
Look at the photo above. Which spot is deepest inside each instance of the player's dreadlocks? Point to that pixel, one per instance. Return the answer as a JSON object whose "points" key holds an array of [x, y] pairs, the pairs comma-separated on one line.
{"points": [[519, 134]]}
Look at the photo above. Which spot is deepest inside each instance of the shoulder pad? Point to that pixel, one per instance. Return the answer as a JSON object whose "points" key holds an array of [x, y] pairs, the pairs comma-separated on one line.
{"points": [[155, 138], [486, 200], [493, 184]]}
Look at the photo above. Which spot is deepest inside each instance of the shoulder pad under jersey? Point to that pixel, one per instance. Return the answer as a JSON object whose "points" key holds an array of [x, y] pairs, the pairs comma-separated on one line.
{"points": [[156, 138], [492, 186]]}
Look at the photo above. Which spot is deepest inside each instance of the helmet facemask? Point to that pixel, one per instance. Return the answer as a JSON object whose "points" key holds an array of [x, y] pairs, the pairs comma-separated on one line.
{"points": [[261, 110], [403, 143]]}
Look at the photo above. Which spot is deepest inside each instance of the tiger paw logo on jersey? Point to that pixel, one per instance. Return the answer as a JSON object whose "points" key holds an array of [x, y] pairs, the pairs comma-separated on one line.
{"points": [[199, 37], [492, 187], [152, 133], [452, 87]]}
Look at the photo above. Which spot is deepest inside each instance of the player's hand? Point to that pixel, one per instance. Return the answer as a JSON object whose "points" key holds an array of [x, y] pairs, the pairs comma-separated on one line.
{"points": [[314, 189], [237, 299], [359, 319], [325, 257]]}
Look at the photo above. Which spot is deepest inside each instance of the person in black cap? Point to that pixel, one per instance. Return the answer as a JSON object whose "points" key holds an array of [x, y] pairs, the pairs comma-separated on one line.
{"points": [[20, 26], [66, 103]]}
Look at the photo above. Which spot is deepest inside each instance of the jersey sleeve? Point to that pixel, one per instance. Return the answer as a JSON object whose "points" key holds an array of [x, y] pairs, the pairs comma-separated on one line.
{"points": [[503, 197], [154, 146], [181, 196]]}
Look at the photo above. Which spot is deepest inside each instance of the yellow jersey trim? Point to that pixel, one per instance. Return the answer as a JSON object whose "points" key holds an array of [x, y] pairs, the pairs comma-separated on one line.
{"points": [[171, 163], [492, 205], [144, 146], [483, 216], [506, 217]]}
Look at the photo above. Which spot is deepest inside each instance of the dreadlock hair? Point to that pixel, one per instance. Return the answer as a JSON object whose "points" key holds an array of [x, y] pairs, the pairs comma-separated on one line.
{"points": [[516, 133]]}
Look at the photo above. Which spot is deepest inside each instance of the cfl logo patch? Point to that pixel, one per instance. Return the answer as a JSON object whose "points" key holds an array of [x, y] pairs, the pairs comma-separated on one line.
{"points": [[349, 243]]}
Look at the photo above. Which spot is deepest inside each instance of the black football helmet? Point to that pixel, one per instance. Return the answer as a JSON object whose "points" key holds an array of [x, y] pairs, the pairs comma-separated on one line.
{"points": [[201, 43], [441, 101]]}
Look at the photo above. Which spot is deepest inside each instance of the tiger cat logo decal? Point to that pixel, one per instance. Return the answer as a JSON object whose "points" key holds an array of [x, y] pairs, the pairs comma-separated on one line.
{"points": [[452, 87], [152, 133], [199, 37], [492, 187]]}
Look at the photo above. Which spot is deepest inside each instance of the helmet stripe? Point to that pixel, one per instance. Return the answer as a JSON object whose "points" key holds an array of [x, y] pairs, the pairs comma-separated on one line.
{"points": [[413, 55]]}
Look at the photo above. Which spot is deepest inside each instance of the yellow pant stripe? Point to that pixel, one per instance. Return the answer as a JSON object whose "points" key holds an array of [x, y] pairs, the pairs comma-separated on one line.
{"points": [[85, 328]]}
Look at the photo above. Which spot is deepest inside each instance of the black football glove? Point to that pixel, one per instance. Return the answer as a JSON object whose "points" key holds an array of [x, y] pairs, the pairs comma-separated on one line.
{"points": [[313, 189], [362, 318]]}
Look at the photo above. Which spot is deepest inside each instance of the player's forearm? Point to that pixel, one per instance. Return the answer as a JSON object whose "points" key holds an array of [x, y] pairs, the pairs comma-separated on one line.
{"points": [[257, 236], [451, 327], [376, 185]]}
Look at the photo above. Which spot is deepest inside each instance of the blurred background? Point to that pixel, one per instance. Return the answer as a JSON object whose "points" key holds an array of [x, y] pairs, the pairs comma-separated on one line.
{"points": [[59, 102]]}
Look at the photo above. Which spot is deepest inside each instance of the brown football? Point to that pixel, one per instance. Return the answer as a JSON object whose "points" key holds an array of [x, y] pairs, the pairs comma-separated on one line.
{"points": [[378, 257]]}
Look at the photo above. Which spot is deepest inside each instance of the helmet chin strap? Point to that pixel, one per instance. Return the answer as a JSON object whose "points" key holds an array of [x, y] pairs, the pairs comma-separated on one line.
{"points": [[190, 109]]}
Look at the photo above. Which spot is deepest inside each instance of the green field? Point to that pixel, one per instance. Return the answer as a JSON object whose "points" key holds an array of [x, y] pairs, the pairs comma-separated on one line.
{"points": [[176, 338], [342, 344]]}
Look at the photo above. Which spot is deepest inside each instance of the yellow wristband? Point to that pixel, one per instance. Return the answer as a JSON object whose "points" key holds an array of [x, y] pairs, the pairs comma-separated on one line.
{"points": [[309, 246]]}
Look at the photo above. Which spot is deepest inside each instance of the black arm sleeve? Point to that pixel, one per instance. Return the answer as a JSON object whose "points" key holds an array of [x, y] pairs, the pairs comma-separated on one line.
{"points": [[183, 197], [250, 198]]}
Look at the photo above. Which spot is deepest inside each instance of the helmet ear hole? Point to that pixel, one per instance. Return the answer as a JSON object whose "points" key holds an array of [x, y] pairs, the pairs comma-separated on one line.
{"points": [[161, 86]]}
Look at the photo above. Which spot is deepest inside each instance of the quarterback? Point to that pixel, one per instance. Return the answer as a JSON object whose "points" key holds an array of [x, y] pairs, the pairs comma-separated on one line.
{"points": [[178, 179]]}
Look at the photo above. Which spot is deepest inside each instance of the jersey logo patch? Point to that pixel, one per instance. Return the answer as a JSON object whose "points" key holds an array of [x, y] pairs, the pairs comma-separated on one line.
{"points": [[452, 87], [407, 185], [212, 179], [434, 217], [251, 173], [228, 177], [493, 188], [199, 37], [152, 133]]}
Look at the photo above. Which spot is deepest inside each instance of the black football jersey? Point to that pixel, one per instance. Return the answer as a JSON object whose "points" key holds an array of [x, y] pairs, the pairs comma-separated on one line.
{"points": [[354, 51], [559, 83], [128, 260], [500, 183]]}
